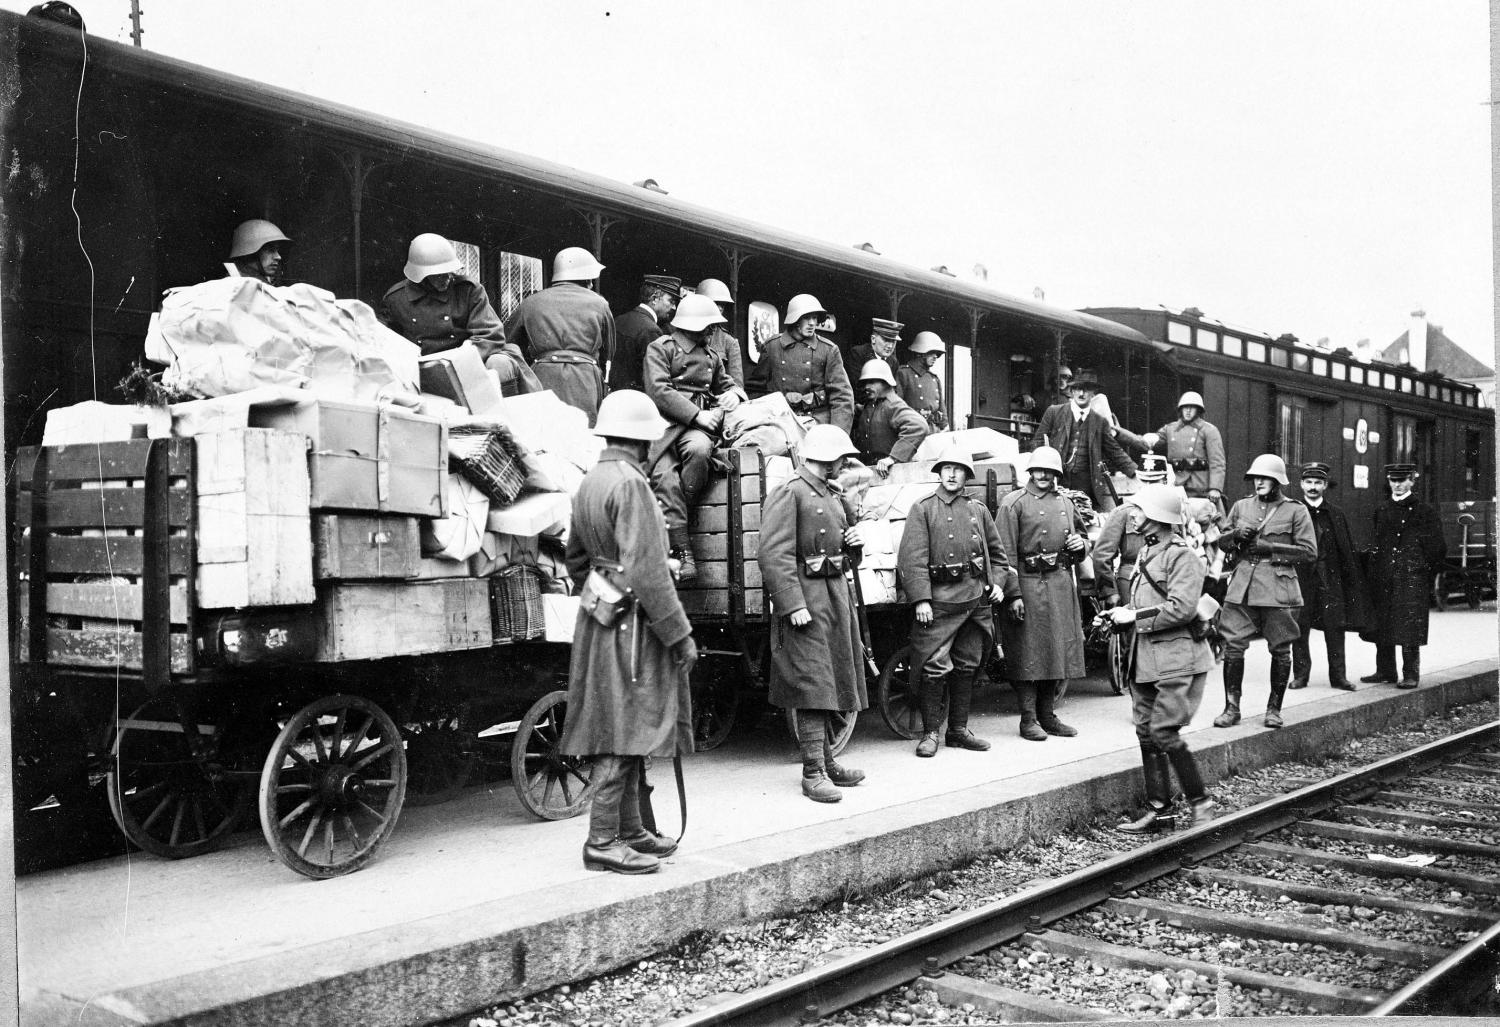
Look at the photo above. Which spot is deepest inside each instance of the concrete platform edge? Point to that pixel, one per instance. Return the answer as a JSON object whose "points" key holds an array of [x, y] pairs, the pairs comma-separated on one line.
{"points": [[450, 964]]}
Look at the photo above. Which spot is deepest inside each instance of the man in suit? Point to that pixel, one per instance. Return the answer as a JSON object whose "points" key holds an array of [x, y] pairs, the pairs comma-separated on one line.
{"points": [[639, 327], [1084, 439], [885, 336]]}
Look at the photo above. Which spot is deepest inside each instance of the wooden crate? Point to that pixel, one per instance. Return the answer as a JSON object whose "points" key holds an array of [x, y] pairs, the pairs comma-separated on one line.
{"points": [[724, 532], [107, 556], [354, 546], [375, 620]]}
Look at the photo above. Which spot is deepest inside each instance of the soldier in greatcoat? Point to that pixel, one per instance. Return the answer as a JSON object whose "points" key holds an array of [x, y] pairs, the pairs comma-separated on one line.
{"points": [[805, 368], [1042, 630], [687, 380], [639, 327], [1195, 449], [952, 568], [923, 390], [1333, 586], [1267, 536], [1408, 550], [633, 651], [718, 336], [817, 657], [886, 430], [567, 331], [1172, 655]]}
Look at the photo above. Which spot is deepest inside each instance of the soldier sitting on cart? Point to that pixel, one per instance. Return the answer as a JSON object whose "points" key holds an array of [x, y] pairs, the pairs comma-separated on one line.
{"points": [[689, 383], [952, 568], [886, 430]]}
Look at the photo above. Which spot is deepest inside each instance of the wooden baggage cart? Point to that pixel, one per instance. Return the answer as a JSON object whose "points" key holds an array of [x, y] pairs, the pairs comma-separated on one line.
{"points": [[1468, 571]]}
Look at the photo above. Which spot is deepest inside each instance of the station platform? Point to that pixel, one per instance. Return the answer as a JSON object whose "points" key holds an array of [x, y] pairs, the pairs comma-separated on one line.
{"points": [[474, 901]]}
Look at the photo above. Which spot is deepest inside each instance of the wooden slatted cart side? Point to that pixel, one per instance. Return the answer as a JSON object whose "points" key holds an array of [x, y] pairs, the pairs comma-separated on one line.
{"points": [[725, 535]]}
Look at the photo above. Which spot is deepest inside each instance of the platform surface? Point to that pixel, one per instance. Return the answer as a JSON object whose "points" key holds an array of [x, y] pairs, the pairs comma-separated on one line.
{"points": [[473, 899]]}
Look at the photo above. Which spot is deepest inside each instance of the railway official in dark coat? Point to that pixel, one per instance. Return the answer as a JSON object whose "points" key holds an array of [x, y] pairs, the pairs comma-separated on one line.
{"points": [[1083, 438], [1408, 550], [1333, 586], [1195, 449], [817, 657], [885, 336], [718, 336], [633, 650], [639, 327], [1120, 541], [1171, 654], [1267, 536], [567, 331], [805, 368], [886, 430], [952, 567], [923, 390], [1041, 630]]}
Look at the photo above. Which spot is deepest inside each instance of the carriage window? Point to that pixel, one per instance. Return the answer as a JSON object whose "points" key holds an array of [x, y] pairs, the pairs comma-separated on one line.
{"points": [[1320, 366], [1291, 432], [1405, 384], [1234, 346], [1404, 445], [1390, 381], [520, 276], [1205, 339], [1279, 356], [1473, 459], [1256, 351], [1340, 371], [1178, 332], [1357, 375], [1447, 394], [1299, 361]]}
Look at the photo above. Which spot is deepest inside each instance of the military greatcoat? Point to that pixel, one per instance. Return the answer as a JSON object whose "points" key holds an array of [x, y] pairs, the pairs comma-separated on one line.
{"points": [[1408, 551], [922, 390], [810, 374], [820, 666], [888, 427], [1116, 538], [1195, 449], [1048, 644], [438, 321], [567, 332], [728, 347], [626, 694]]}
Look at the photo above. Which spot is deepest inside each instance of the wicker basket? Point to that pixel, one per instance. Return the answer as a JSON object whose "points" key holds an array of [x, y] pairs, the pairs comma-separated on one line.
{"points": [[490, 458], [516, 605]]}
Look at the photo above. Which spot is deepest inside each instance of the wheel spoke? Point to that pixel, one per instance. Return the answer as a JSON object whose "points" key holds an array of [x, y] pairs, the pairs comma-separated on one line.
{"points": [[316, 730], [380, 818], [328, 839], [359, 843], [294, 814], [177, 818], [573, 769], [161, 808], [338, 733], [307, 837], [198, 818], [379, 750], [298, 758], [293, 788], [359, 736], [380, 782], [547, 789]]}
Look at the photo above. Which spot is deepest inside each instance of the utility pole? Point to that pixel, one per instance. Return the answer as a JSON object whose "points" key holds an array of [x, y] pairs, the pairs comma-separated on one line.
{"points": [[136, 32]]}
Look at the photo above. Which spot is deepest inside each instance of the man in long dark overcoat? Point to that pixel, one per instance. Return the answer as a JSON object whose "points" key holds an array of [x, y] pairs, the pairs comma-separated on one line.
{"points": [[567, 331], [1042, 630], [1333, 586], [1408, 550], [1085, 442], [817, 657], [640, 326], [952, 568], [633, 650]]}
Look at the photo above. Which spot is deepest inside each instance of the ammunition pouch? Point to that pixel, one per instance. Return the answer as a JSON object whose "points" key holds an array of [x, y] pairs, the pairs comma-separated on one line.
{"points": [[814, 400], [602, 600], [948, 573], [1046, 563], [1190, 465], [823, 565]]}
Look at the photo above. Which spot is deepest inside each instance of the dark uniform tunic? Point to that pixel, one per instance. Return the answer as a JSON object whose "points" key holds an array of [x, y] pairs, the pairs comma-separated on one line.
{"points": [[442, 321], [950, 556], [1263, 592], [923, 391], [626, 695], [820, 666], [1196, 452], [567, 332], [1408, 550], [634, 331], [1116, 538], [888, 428], [682, 379], [1333, 586], [1048, 644], [811, 376], [1171, 666], [728, 347]]}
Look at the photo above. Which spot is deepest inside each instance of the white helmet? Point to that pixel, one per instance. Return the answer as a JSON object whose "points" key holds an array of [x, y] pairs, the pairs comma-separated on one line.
{"points": [[955, 455], [800, 306], [1191, 399], [1160, 503], [1268, 465], [430, 254], [1045, 458], [250, 236], [575, 264], [628, 414], [877, 370], [714, 290], [826, 443], [927, 342], [696, 312]]}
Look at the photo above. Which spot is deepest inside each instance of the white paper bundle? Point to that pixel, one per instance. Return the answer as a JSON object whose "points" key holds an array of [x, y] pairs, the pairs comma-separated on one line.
{"points": [[457, 536], [891, 502], [92, 421], [980, 444]]}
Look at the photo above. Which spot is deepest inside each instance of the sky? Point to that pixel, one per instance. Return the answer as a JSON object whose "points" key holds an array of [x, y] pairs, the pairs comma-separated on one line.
{"points": [[1315, 168]]}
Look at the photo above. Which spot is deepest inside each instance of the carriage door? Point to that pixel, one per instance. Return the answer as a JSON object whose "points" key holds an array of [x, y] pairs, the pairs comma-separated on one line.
{"points": [[1291, 422], [1411, 443]]}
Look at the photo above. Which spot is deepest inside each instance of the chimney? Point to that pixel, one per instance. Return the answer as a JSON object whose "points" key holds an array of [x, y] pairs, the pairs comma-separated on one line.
{"points": [[1416, 340]]}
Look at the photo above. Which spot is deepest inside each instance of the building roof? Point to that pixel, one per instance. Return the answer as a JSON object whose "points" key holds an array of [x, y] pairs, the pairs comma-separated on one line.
{"points": [[1444, 355]]}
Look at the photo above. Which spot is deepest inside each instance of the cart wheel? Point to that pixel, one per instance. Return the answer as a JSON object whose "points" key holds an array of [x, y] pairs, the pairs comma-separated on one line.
{"points": [[166, 800], [552, 786], [1439, 593], [1119, 663], [439, 755], [1471, 595], [840, 728], [900, 706], [333, 786], [716, 700]]}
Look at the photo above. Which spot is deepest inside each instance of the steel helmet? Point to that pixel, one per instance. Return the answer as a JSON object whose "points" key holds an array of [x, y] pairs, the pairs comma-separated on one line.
{"points": [[1045, 458], [714, 290], [927, 342], [628, 414], [1160, 503], [956, 455], [575, 264], [696, 313], [430, 254], [1268, 465], [251, 235], [877, 370], [801, 305], [825, 443], [1191, 399]]}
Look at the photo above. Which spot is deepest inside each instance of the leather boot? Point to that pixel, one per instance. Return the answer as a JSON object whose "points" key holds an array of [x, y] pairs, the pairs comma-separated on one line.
{"points": [[1197, 795], [842, 777], [1158, 775], [1385, 666], [652, 843], [1301, 663], [1046, 700], [1411, 666], [618, 857], [1234, 680], [960, 696], [811, 732], [1030, 729], [681, 550], [1336, 670], [1281, 669]]}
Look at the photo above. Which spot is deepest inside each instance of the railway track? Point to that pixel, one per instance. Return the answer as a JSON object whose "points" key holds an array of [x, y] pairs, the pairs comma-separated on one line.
{"points": [[1325, 847]]}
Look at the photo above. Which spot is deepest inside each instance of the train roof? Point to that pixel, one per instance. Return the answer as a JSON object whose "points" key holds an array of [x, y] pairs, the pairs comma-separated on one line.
{"points": [[607, 195]]}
